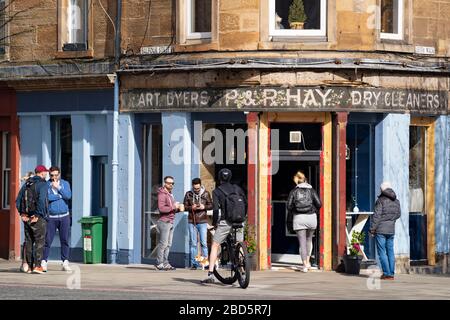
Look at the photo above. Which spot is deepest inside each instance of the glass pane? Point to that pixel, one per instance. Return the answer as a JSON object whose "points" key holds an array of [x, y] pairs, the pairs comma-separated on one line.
{"points": [[297, 14], [389, 16], [76, 21], [201, 15], [65, 147], [7, 145], [416, 169], [6, 179]]}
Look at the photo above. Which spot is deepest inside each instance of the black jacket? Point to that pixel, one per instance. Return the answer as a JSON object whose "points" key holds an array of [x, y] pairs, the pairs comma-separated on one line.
{"points": [[219, 200], [387, 211], [317, 204]]}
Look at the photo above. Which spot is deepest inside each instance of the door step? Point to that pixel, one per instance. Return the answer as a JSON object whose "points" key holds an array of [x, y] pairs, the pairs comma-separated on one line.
{"points": [[425, 270]]}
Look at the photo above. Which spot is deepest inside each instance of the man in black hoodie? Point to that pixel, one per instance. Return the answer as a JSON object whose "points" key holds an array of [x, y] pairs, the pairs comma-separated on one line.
{"points": [[387, 211]]}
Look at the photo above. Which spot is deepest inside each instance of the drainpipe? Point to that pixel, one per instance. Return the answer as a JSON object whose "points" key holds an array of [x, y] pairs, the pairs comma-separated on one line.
{"points": [[115, 148]]}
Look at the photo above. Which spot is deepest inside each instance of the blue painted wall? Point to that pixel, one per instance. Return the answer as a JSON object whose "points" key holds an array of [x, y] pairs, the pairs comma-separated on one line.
{"points": [[442, 181], [392, 164]]}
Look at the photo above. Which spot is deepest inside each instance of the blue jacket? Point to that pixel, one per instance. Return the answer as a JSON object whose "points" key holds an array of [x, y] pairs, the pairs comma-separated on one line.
{"points": [[42, 192], [59, 201]]}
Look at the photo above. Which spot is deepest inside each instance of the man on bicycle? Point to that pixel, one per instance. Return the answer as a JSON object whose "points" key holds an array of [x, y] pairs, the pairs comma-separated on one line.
{"points": [[222, 226]]}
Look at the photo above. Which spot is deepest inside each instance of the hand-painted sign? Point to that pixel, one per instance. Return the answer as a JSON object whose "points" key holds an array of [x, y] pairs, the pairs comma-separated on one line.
{"points": [[286, 99]]}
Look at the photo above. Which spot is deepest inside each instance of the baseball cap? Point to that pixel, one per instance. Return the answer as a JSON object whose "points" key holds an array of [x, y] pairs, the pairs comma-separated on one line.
{"points": [[40, 168]]}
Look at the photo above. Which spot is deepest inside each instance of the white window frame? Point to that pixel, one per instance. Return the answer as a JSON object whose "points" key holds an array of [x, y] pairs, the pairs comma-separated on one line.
{"points": [[400, 17], [6, 172], [322, 32], [190, 35]]}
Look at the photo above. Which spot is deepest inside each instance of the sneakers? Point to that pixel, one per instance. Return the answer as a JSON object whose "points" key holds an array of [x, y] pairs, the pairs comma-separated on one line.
{"points": [[25, 268], [159, 266], [193, 268], [209, 279], [304, 269], [39, 270], [168, 267], [44, 265], [384, 277], [65, 266]]}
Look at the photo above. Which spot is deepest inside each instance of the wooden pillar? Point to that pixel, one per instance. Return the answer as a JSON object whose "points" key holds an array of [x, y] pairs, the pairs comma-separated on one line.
{"points": [[339, 186], [326, 191], [263, 191]]}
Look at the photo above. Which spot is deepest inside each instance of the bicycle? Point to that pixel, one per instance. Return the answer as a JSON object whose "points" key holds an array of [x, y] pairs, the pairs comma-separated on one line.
{"points": [[233, 261]]}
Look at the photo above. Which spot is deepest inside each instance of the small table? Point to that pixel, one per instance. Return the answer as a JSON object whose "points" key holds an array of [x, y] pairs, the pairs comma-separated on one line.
{"points": [[359, 224]]}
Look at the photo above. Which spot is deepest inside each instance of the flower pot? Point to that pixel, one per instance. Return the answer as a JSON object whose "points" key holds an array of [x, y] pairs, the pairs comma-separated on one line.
{"points": [[296, 25], [252, 258], [352, 264]]}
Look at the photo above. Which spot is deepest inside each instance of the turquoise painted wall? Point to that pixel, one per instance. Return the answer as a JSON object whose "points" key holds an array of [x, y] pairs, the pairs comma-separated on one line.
{"points": [[392, 164]]}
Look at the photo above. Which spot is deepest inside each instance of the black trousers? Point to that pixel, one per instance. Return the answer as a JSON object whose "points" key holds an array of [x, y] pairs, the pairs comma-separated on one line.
{"points": [[35, 235]]}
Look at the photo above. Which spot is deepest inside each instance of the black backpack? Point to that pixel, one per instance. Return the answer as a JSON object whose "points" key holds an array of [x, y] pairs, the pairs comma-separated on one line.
{"points": [[234, 206], [303, 200], [28, 202]]}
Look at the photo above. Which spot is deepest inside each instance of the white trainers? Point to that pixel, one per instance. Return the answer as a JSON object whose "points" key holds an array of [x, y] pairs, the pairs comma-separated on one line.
{"points": [[65, 266], [44, 265]]}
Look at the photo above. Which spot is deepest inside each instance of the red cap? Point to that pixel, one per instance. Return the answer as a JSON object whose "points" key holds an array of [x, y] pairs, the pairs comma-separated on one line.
{"points": [[40, 168]]}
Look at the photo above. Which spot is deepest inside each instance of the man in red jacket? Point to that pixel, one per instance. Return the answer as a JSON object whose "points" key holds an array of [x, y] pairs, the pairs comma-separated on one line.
{"points": [[167, 209]]}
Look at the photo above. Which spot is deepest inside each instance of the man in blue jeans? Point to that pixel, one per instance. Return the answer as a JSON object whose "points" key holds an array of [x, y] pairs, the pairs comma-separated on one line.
{"points": [[59, 195], [387, 211]]}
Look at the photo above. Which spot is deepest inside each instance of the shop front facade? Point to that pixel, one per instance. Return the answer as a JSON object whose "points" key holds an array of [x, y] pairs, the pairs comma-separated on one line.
{"points": [[347, 140]]}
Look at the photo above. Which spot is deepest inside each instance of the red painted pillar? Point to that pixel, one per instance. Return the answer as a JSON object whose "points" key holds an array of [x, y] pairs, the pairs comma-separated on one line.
{"points": [[14, 230], [339, 193]]}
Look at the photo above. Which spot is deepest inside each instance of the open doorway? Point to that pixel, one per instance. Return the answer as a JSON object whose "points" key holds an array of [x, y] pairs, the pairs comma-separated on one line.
{"points": [[299, 149]]}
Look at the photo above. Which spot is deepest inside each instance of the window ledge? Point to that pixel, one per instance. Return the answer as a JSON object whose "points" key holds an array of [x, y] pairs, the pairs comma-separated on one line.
{"points": [[196, 47], [74, 54], [294, 44], [394, 46]]}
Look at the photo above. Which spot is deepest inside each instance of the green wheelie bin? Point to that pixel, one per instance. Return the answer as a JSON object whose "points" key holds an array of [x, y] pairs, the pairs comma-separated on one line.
{"points": [[94, 239]]}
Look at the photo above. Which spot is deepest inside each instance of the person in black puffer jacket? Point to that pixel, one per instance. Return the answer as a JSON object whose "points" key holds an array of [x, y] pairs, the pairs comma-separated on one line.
{"points": [[387, 211]]}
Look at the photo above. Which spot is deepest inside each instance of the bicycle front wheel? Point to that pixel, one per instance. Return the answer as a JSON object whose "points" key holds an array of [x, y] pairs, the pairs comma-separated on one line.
{"points": [[243, 265], [225, 271]]}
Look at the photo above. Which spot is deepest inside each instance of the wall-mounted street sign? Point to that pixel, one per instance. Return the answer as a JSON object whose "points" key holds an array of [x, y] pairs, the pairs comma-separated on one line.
{"points": [[285, 99]]}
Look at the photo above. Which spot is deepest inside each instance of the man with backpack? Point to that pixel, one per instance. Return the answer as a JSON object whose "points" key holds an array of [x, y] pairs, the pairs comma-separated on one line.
{"points": [[32, 204], [231, 201]]}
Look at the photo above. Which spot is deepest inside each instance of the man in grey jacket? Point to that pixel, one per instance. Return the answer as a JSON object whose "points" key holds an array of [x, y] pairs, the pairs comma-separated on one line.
{"points": [[387, 211]]}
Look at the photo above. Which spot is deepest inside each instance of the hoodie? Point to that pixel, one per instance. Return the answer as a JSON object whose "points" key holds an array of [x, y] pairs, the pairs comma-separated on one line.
{"points": [[166, 205], [58, 200], [387, 211], [203, 197]]}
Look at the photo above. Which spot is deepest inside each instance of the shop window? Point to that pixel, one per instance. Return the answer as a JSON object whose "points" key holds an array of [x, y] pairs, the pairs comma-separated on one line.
{"points": [[6, 169], [392, 19], [62, 146], [297, 18], [73, 25], [3, 34], [198, 19]]}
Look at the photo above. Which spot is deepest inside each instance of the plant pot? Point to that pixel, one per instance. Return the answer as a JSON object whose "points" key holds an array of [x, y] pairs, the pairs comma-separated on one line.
{"points": [[253, 261], [352, 264], [296, 25]]}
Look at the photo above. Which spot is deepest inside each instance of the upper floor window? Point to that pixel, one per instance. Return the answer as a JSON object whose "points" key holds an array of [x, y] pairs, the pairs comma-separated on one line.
{"points": [[198, 19], [6, 169], [294, 18], [392, 19], [73, 28], [3, 23]]}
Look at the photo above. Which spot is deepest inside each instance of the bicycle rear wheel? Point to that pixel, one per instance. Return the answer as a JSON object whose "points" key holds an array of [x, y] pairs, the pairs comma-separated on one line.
{"points": [[243, 265], [225, 272]]}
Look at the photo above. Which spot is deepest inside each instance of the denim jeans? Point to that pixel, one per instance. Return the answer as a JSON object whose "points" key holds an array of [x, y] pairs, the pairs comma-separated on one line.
{"points": [[193, 241], [385, 249], [165, 230]]}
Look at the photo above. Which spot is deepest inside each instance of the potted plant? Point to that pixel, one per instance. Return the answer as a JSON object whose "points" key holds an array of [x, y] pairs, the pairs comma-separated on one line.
{"points": [[297, 16], [250, 242], [352, 261]]}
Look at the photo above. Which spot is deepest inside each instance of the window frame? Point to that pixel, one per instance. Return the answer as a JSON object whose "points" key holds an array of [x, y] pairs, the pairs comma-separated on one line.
{"points": [[4, 29], [291, 33], [190, 35], [6, 171], [400, 23]]}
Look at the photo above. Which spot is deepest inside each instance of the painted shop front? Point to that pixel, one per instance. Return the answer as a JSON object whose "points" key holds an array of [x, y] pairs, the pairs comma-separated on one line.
{"points": [[347, 140]]}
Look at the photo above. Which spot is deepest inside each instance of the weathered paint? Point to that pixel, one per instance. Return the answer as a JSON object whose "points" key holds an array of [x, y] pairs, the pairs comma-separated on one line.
{"points": [[327, 193], [442, 184], [252, 171], [392, 164], [429, 124], [263, 193]]}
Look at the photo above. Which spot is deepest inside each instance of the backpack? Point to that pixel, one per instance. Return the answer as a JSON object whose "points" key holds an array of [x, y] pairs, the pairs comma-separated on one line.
{"points": [[28, 202], [303, 200], [234, 206]]}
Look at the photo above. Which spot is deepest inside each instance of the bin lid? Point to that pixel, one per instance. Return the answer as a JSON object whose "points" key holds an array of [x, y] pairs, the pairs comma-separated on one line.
{"points": [[92, 219]]}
